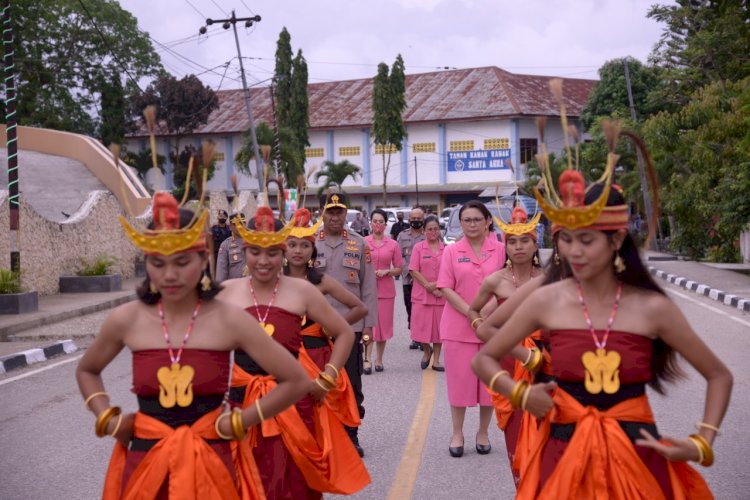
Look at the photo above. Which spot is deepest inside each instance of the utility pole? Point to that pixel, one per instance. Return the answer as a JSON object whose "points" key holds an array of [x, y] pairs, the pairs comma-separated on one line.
{"points": [[641, 168], [416, 178], [232, 21], [11, 121]]}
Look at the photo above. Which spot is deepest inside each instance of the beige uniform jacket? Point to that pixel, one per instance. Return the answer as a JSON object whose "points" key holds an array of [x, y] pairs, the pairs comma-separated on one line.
{"points": [[230, 262], [406, 241], [347, 260]]}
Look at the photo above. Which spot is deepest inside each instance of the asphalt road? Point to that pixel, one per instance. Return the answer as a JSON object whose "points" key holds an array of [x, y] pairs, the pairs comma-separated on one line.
{"points": [[48, 448]]}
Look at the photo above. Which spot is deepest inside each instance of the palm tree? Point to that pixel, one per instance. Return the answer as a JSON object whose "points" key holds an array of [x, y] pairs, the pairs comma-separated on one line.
{"points": [[336, 174]]}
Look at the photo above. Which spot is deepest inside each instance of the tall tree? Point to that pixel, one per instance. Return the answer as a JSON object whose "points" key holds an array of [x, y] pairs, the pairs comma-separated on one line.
{"points": [[703, 41], [388, 105], [182, 105], [283, 78], [702, 152], [61, 59], [299, 114], [336, 173], [610, 94]]}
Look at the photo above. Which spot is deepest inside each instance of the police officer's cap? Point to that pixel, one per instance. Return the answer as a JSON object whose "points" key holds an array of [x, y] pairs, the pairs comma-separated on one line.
{"points": [[334, 200]]}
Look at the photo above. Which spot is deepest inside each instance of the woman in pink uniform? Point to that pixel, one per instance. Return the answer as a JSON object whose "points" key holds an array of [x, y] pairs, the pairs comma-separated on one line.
{"points": [[427, 300], [464, 266], [386, 257]]}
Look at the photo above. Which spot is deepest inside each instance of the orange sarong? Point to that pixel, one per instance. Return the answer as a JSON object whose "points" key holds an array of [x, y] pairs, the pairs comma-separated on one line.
{"points": [[600, 462], [328, 460], [182, 455], [528, 427]]}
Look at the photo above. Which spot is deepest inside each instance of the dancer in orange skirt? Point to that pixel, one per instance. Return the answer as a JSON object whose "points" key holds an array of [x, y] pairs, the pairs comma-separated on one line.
{"points": [[612, 331], [297, 457], [317, 346], [521, 267], [181, 340]]}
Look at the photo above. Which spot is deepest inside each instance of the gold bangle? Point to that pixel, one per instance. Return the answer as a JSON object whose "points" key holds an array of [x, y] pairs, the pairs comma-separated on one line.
{"points": [[704, 425], [216, 426], [473, 323], [335, 370], [516, 395], [238, 429], [117, 425], [317, 381], [494, 378], [525, 398], [103, 420], [528, 358], [535, 361], [330, 381], [704, 449], [92, 396], [260, 412]]}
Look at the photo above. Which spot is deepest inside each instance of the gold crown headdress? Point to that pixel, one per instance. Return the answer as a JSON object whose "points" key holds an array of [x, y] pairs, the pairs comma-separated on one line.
{"points": [[302, 228], [264, 235], [519, 219], [567, 209], [167, 237]]}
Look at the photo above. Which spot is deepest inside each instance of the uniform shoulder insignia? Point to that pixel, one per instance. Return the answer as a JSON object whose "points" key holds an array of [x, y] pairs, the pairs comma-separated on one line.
{"points": [[321, 235], [368, 255], [344, 234]]}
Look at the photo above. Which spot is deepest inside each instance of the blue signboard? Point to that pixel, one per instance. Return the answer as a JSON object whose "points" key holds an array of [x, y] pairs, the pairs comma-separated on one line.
{"points": [[472, 161]]}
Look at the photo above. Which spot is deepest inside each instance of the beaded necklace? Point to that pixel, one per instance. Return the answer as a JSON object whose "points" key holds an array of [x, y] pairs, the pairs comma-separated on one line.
{"points": [[175, 381], [268, 327]]}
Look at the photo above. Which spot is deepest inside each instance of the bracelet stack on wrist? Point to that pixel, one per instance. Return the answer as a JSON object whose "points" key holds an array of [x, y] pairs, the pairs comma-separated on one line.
{"points": [[705, 452]]}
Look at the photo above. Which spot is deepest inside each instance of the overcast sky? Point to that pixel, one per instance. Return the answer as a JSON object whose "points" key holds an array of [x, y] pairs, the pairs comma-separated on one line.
{"points": [[346, 39]]}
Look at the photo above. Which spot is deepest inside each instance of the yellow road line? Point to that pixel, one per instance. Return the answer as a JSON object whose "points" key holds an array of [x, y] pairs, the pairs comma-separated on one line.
{"points": [[411, 458]]}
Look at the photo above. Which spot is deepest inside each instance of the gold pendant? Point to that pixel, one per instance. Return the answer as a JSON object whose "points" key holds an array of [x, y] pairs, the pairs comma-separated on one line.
{"points": [[175, 385], [304, 320], [602, 371], [268, 327]]}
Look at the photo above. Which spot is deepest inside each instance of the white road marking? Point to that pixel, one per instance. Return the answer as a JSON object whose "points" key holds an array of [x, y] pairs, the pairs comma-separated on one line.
{"points": [[40, 370], [710, 308]]}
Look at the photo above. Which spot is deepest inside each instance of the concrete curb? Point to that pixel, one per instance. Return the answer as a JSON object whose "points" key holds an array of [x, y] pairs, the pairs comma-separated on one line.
{"points": [[31, 356], [741, 303], [7, 331]]}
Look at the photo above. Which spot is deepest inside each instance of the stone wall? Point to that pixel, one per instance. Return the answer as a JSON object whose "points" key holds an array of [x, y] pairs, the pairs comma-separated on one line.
{"points": [[52, 249]]}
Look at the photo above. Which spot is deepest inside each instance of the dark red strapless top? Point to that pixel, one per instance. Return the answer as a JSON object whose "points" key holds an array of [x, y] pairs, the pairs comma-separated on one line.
{"points": [[567, 347], [287, 328], [211, 370]]}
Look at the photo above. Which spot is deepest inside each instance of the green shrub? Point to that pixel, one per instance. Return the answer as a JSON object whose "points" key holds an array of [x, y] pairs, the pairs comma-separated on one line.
{"points": [[10, 281], [97, 266]]}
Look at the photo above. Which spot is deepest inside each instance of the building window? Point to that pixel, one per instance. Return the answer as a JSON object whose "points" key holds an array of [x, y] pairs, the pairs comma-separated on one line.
{"points": [[314, 153], [500, 143], [219, 156], [349, 151], [382, 149], [462, 145], [528, 150], [424, 147]]}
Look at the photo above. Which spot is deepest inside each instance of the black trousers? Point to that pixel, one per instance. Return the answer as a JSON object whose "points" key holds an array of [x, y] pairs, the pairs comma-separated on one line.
{"points": [[407, 303], [354, 368]]}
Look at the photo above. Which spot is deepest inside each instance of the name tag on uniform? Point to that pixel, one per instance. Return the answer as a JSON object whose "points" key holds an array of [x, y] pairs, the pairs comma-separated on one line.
{"points": [[428, 257], [464, 259], [352, 255]]}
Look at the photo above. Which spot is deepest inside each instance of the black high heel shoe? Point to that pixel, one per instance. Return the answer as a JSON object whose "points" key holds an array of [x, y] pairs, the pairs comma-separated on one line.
{"points": [[424, 364], [484, 449], [456, 451]]}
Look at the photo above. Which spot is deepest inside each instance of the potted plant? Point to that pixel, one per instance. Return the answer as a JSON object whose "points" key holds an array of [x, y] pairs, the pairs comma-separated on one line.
{"points": [[13, 300], [93, 276]]}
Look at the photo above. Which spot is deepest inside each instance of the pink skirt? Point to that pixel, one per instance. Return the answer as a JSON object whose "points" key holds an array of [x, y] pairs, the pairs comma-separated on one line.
{"points": [[384, 329], [464, 388], [425, 322]]}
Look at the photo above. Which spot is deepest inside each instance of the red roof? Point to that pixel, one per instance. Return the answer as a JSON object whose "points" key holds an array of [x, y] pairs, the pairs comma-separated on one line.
{"points": [[455, 95]]}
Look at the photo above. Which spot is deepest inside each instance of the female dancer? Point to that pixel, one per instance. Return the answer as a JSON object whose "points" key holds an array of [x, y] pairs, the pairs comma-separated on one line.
{"points": [[465, 264], [387, 260], [317, 347], [180, 390], [297, 457], [521, 267], [601, 441], [427, 300]]}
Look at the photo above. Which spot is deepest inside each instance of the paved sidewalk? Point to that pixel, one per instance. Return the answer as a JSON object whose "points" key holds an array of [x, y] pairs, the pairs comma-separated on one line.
{"points": [[716, 281]]}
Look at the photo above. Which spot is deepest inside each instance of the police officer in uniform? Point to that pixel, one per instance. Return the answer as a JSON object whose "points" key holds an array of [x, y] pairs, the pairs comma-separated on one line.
{"points": [[406, 241], [220, 232], [231, 261], [345, 256]]}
